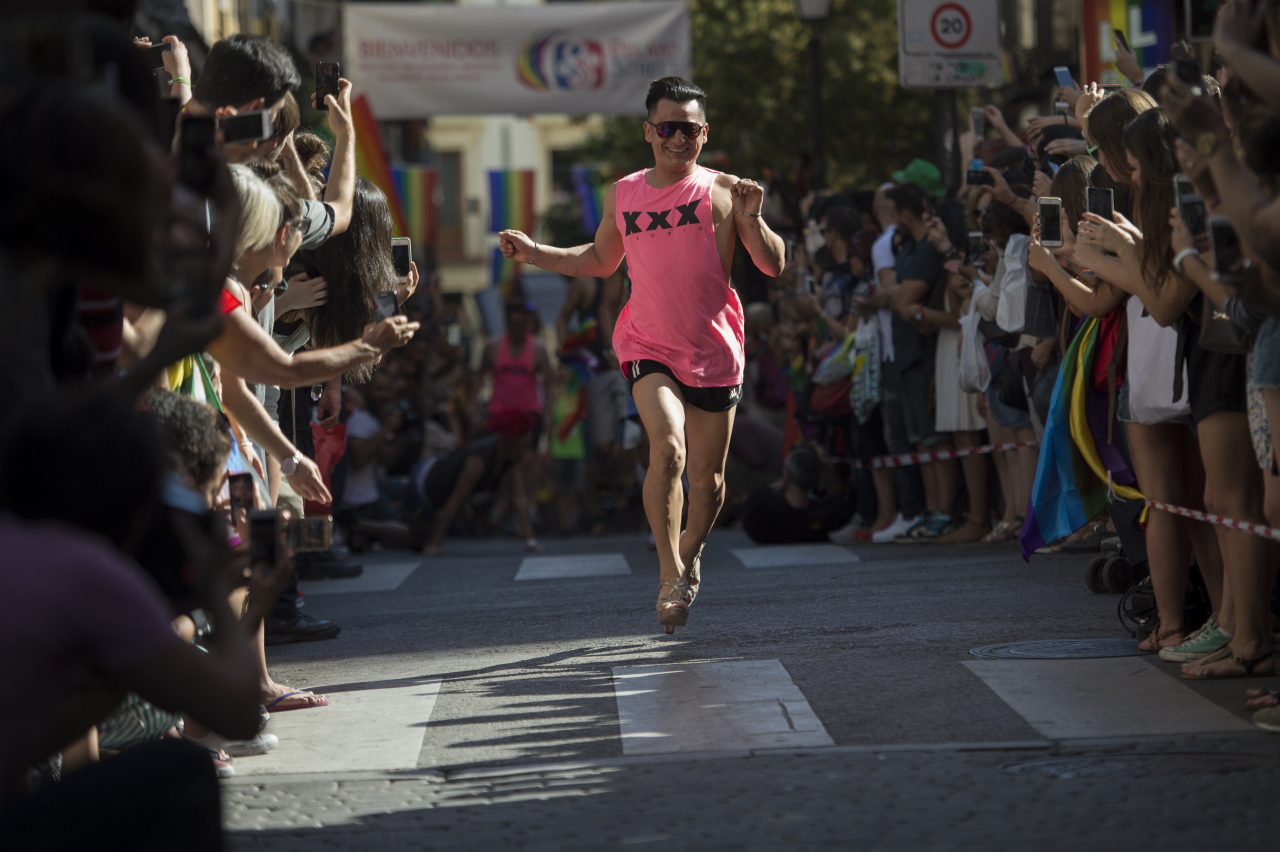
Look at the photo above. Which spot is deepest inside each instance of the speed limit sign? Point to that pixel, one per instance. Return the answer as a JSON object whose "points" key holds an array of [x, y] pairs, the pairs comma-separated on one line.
{"points": [[951, 26], [949, 43]]}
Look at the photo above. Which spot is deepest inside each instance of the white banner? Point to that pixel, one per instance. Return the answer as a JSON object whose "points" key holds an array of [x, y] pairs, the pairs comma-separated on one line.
{"points": [[418, 60]]}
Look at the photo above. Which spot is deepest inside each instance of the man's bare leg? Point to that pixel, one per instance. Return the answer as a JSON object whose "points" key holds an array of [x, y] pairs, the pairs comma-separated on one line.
{"points": [[661, 407], [707, 436]]}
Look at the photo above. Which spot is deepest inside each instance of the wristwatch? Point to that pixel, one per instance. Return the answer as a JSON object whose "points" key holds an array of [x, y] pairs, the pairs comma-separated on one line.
{"points": [[919, 314], [1207, 143], [290, 465]]}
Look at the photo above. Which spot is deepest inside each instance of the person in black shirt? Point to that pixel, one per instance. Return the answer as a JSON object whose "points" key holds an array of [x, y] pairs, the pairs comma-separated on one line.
{"points": [[792, 514]]}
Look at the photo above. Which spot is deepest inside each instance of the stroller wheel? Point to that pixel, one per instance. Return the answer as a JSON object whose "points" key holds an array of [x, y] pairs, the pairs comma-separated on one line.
{"points": [[1093, 575], [1117, 574]]}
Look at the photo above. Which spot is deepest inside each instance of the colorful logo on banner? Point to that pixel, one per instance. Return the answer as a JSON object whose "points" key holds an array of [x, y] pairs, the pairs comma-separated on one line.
{"points": [[552, 60], [1147, 25]]}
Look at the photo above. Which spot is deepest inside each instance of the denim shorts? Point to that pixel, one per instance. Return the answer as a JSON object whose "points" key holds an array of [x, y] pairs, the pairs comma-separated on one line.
{"points": [[1266, 355], [1006, 415]]}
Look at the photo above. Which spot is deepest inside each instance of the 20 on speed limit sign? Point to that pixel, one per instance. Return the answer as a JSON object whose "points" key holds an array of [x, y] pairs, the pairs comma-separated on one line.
{"points": [[949, 43]]}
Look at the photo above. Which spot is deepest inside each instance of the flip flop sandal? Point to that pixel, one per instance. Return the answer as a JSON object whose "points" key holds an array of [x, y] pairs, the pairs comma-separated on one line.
{"points": [[323, 702], [1226, 654]]}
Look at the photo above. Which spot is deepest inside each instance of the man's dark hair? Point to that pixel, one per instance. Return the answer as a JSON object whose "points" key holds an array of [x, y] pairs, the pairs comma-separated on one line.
{"points": [[243, 68], [844, 221], [676, 89], [864, 200], [910, 198], [804, 467], [92, 461], [193, 433]]}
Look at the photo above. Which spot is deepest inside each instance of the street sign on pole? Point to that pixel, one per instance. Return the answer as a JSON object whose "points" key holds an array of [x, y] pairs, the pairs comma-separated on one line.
{"points": [[949, 44]]}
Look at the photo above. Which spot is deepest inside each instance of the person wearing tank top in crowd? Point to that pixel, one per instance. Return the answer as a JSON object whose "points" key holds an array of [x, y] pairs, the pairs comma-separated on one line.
{"points": [[680, 337], [516, 361]]}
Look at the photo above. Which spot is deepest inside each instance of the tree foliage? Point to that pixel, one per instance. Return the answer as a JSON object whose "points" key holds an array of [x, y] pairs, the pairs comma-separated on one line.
{"points": [[752, 58]]}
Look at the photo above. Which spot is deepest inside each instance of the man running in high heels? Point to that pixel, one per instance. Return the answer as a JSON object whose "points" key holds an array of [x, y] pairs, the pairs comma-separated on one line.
{"points": [[679, 339]]}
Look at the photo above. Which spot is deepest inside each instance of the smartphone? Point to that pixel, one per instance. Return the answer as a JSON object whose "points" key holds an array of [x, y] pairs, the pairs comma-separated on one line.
{"points": [[1064, 76], [1182, 186], [1121, 41], [1181, 50], [1193, 213], [1110, 87], [311, 535], [977, 247], [156, 53], [240, 486], [979, 119], [1102, 202], [1228, 259], [387, 305], [247, 127], [264, 536], [401, 256], [189, 281], [195, 167], [167, 121], [327, 74], [1190, 71], [976, 176], [1062, 108], [1051, 222]]}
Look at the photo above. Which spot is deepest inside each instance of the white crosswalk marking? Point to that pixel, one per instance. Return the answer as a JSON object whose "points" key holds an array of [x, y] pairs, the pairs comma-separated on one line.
{"points": [[1116, 697], [378, 577], [713, 707], [563, 567], [794, 555], [376, 728]]}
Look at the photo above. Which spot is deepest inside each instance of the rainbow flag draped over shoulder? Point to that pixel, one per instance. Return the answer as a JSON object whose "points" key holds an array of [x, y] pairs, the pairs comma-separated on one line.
{"points": [[1073, 483], [511, 201], [372, 163], [416, 190], [589, 183]]}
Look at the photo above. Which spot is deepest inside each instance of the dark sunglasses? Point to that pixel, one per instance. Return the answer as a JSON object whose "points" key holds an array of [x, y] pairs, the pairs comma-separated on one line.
{"points": [[667, 129]]}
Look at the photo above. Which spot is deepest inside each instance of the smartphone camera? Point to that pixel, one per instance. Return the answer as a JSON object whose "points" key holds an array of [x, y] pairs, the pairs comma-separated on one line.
{"points": [[247, 127], [1051, 222], [264, 536], [1062, 108], [979, 119], [1228, 259], [386, 305], [976, 176], [311, 535], [1193, 213], [195, 165], [1191, 72], [1063, 74], [401, 256], [156, 53], [327, 74], [1101, 202], [977, 247]]}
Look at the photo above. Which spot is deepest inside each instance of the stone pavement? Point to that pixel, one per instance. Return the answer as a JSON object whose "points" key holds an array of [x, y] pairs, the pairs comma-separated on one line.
{"points": [[829, 704]]}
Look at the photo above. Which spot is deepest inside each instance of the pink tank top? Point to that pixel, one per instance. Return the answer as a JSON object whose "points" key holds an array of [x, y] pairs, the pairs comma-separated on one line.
{"points": [[682, 311], [515, 384]]}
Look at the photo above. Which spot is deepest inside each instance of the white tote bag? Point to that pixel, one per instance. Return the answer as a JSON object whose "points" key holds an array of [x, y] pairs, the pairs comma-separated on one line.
{"points": [[1152, 353], [1011, 313], [975, 372]]}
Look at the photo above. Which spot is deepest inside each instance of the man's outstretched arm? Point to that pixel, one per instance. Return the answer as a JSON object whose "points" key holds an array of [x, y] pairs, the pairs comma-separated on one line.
{"points": [[593, 260]]}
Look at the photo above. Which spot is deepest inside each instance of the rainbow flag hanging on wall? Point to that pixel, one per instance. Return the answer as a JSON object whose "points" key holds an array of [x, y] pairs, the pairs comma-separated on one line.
{"points": [[372, 163], [511, 201], [1147, 24], [589, 184], [416, 190]]}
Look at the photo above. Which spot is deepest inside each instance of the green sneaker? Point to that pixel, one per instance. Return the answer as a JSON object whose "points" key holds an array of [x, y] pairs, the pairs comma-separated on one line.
{"points": [[1202, 643]]}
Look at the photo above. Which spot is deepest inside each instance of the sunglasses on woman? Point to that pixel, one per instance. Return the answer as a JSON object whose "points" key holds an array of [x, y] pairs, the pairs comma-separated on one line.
{"points": [[667, 129]]}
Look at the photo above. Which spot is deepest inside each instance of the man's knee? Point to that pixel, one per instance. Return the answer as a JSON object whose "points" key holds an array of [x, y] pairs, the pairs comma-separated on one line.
{"points": [[667, 454], [708, 478]]}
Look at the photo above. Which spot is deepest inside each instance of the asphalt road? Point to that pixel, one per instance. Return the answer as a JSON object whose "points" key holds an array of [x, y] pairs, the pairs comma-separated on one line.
{"points": [[826, 705]]}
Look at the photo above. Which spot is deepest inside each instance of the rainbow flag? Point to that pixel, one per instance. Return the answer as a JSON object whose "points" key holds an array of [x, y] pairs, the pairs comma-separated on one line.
{"points": [[505, 272], [372, 163], [589, 184], [1147, 25], [511, 201], [416, 191]]}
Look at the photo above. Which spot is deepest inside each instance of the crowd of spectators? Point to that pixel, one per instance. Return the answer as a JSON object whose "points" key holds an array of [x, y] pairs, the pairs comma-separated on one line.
{"points": [[210, 351]]}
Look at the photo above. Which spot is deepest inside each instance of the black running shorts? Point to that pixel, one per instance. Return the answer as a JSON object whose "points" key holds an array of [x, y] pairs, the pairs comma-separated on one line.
{"points": [[708, 399]]}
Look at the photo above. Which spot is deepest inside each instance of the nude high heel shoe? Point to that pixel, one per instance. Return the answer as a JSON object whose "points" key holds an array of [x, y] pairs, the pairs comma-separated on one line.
{"points": [[673, 607]]}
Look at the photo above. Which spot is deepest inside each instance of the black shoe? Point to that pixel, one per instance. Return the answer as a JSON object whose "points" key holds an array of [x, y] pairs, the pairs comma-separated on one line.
{"points": [[300, 628], [325, 566]]}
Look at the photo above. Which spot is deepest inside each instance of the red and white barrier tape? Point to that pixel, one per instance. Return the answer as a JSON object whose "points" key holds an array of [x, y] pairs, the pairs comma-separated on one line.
{"points": [[907, 459], [1196, 515]]}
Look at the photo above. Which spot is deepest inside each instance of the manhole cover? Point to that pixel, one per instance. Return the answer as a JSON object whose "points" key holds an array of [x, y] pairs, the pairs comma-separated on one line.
{"points": [[1142, 765], [1060, 649]]}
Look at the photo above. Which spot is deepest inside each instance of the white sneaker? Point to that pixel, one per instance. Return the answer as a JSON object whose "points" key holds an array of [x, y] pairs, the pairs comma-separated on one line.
{"points": [[261, 744], [845, 535], [899, 526]]}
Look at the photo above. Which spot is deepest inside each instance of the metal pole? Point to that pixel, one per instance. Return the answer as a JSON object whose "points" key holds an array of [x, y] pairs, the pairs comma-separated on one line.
{"points": [[815, 70], [948, 151]]}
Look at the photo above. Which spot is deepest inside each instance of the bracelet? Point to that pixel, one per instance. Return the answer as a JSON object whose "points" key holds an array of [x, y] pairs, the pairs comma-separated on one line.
{"points": [[183, 80], [752, 215], [536, 249], [1183, 255]]}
